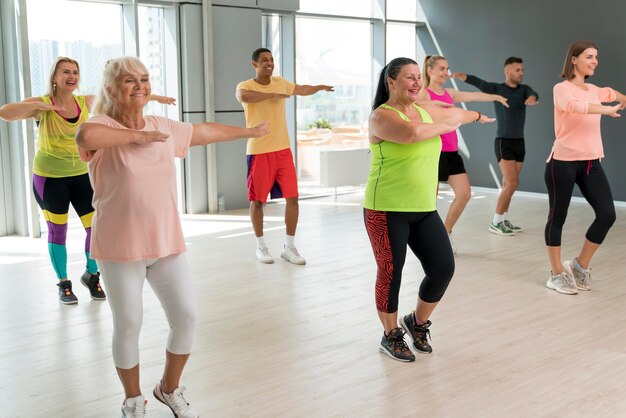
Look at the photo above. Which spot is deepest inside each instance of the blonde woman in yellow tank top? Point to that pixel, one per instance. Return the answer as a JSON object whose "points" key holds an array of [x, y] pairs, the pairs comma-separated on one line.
{"points": [[60, 178]]}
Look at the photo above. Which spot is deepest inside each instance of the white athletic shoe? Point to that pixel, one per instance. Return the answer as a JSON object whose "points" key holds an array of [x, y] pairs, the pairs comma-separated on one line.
{"points": [[134, 407], [291, 254], [562, 283], [263, 255], [175, 401], [583, 280]]}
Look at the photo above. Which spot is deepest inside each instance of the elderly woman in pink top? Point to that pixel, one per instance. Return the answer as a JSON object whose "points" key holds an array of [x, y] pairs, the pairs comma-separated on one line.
{"points": [[136, 228], [575, 159]]}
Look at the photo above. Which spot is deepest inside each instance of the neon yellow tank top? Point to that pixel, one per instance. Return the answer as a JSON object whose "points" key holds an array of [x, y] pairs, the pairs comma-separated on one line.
{"points": [[403, 177], [57, 153]]}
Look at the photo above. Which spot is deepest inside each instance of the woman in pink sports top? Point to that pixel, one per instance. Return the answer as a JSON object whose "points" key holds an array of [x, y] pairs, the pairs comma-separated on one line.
{"points": [[451, 168], [575, 159]]}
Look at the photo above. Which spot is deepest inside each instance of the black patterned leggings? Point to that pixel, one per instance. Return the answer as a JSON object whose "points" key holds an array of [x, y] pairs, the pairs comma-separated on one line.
{"points": [[426, 236]]}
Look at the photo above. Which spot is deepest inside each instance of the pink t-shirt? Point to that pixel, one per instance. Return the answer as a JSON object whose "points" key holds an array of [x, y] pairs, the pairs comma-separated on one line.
{"points": [[450, 140], [136, 215], [577, 132]]}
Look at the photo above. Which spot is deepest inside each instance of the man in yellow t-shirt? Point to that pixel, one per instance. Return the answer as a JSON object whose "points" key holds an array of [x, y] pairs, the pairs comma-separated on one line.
{"points": [[270, 162]]}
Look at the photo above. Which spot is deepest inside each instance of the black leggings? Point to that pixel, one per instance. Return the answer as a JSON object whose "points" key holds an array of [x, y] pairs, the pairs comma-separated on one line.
{"points": [[425, 234], [560, 178]]}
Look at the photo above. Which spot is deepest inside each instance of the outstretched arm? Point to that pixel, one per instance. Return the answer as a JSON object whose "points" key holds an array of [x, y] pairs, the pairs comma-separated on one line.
{"points": [[28, 108], [209, 132], [95, 136], [387, 125], [305, 90], [456, 115], [476, 96], [163, 99], [250, 96]]}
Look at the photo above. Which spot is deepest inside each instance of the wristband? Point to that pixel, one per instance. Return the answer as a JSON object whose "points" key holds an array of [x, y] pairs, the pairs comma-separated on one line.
{"points": [[479, 116]]}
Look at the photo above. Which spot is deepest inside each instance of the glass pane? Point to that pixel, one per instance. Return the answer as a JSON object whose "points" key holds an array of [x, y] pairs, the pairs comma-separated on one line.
{"points": [[152, 54], [357, 8], [404, 10], [271, 40], [77, 35], [339, 119], [401, 41]]}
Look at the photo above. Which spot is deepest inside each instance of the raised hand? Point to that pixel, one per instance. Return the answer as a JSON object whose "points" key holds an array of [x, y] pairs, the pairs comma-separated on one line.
{"points": [[148, 137], [504, 100], [531, 101], [485, 119], [260, 130]]}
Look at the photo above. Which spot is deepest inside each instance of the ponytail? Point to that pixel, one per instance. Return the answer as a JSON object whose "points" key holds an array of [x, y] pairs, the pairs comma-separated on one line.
{"points": [[390, 70], [429, 63]]}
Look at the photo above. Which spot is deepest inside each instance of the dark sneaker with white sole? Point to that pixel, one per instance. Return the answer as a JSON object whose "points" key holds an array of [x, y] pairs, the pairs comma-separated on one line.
{"points": [[420, 334], [66, 296], [395, 347], [92, 282]]}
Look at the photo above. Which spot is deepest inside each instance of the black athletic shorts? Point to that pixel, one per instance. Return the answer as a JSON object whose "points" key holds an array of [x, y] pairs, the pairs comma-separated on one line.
{"points": [[510, 149], [450, 163]]}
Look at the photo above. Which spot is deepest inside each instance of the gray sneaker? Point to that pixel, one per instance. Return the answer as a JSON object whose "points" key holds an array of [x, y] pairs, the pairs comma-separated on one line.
{"points": [[562, 283], [583, 280], [500, 229]]}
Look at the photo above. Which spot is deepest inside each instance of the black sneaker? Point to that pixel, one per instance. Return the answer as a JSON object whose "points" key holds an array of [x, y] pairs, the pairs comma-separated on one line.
{"points": [[420, 334], [66, 296], [394, 346], [92, 282]]}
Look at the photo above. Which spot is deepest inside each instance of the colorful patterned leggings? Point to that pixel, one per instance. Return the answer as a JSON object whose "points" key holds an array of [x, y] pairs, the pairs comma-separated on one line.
{"points": [[54, 196], [426, 236]]}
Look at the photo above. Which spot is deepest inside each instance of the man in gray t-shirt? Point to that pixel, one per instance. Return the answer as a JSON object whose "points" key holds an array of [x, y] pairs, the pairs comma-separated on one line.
{"points": [[509, 143]]}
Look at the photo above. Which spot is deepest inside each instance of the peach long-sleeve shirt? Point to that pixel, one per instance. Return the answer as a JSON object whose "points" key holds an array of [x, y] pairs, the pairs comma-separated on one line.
{"points": [[578, 132]]}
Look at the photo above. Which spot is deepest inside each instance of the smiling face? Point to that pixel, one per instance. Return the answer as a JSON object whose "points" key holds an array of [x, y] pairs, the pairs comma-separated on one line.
{"points": [[66, 77], [264, 67], [407, 84], [439, 73], [133, 90], [585, 64]]}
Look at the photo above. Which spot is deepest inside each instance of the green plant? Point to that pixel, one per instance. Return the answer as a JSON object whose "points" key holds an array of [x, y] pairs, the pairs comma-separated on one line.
{"points": [[320, 123]]}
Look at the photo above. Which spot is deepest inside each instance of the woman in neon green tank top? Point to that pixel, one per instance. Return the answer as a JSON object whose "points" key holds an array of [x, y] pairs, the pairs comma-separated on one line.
{"points": [[59, 175], [400, 201]]}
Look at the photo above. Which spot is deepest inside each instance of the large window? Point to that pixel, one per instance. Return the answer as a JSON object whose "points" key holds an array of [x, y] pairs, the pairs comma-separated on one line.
{"points": [[68, 28], [332, 120], [356, 8]]}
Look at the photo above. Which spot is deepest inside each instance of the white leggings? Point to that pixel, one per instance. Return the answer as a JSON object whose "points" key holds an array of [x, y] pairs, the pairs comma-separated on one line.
{"points": [[170, 279]]}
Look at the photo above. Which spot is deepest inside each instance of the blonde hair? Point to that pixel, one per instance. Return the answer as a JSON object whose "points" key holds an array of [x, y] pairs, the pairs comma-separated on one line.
{"points": [[429, 63], [52, 87], [574, 50], [105, 103]]}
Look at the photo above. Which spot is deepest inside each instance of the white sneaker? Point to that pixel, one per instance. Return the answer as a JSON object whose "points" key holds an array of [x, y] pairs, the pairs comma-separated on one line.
{"points": [[291, 254], [175, 401], [562, 283], [134, 407], [263, 255], [583, 280]]}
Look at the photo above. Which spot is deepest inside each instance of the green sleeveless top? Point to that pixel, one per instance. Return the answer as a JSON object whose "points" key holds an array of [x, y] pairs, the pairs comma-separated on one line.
{"points": [[403, 177], [57, 153]]}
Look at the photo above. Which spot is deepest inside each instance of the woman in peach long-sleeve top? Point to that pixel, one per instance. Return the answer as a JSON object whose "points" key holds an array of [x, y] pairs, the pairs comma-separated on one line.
{"points": [[575, 159]]}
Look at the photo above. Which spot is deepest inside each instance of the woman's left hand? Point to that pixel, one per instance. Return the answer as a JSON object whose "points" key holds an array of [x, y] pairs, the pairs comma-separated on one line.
{"points": [[163, 99], [485, 119]]}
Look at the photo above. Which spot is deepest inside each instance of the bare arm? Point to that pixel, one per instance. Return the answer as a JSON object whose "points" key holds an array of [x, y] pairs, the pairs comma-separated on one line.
{"points": [[596, 109], [387, 125], [209, 132], [163, 99], [250, 96], [455, 115], [305, 90], [28, 108], [95, 136], [476, 96]]}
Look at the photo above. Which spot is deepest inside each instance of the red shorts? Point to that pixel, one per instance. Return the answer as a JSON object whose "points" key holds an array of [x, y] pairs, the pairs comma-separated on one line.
{"points": [[272, 172]]}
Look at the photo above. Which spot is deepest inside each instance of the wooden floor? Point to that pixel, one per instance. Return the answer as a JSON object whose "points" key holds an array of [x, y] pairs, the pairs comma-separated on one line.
{"points": [[292, 341]]}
